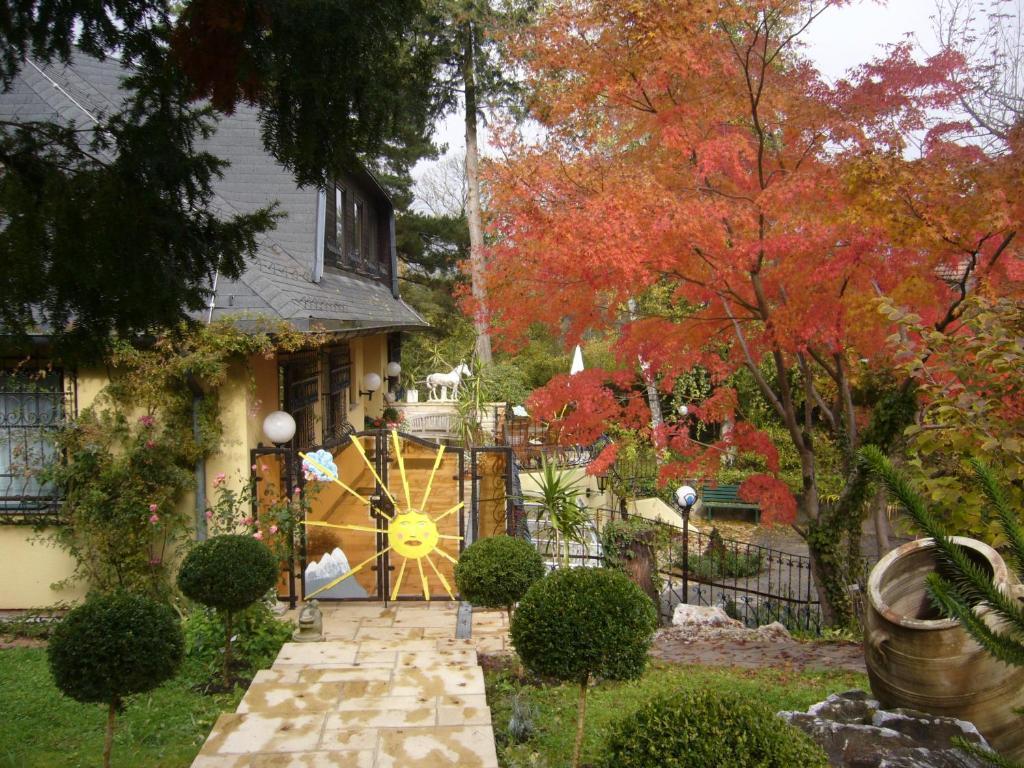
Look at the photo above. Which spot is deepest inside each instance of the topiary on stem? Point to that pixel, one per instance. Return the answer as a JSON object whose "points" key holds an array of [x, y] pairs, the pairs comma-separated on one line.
{"points": [[584, 623], [495, 572], [113, 646], [228, 573], [708, 729]]}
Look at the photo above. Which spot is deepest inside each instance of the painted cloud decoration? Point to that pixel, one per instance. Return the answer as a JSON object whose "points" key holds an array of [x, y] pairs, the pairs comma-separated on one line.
{"points": [[325, 461]]}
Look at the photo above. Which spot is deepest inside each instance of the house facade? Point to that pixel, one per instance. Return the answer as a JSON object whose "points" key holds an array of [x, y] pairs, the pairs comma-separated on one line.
{"points": [[329, 267]]}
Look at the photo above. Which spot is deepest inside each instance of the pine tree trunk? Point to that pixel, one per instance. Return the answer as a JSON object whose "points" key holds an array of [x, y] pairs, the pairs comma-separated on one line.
{"points": [[881, 522], [473, 212], [581, 714], [108, 741]]}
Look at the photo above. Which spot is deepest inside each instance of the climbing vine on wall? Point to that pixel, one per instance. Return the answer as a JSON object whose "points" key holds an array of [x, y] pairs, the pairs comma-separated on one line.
{"points": [[130, 455]]}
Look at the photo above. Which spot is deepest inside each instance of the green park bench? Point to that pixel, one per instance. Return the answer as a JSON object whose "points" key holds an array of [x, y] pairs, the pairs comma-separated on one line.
{"points": [[725, 497]]}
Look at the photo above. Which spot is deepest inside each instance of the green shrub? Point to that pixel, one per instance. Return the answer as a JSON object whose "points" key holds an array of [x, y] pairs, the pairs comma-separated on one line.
{"points": [[728, 564], [708, 729], [259, 639], [575, 624], [495, 572], [228, 573], [111, 647]]}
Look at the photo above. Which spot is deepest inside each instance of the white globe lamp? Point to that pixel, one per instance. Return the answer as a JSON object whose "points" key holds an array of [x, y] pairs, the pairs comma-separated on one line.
{"points": [[686, 497], [371, 383], [394, 369], [279, 427]]}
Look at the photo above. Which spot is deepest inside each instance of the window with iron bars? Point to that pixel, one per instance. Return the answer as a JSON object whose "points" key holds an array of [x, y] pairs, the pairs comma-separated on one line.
{"points": [[300, 389], [35, 400], [337, 383]]}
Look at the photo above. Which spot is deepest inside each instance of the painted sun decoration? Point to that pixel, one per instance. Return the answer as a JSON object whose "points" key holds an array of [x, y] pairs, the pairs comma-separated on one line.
{"points": [[411, 532]]}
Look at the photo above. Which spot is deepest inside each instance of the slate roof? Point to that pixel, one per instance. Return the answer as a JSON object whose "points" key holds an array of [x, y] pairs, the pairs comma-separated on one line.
{"points": [[278, 282]]}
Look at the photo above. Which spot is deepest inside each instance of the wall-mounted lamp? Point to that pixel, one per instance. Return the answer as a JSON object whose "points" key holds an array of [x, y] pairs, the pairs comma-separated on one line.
{"points": [[279, 427], [394, 370], [371, 383], [602, 483]]}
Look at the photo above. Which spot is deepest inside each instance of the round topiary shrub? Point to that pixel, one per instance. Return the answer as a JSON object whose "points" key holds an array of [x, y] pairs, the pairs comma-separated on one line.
{"points": [[587, 622], [228, 573], [708, 729], [111, 647], [495, 572]]}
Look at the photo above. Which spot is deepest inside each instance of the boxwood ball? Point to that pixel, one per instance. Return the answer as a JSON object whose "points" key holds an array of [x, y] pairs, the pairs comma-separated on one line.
{"points": [[113, 646], [496, 571], [584, 621], [228, 572]]}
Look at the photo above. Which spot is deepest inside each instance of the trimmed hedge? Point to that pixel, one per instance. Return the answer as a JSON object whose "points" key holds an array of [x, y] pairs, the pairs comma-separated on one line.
{"points": [[228, 572], [580, 622], [496, 571], [113, 646], [708, 729]]}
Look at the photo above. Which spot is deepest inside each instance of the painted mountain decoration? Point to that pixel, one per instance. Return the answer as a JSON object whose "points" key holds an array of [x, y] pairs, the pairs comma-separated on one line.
{"points": [[331, 571]]}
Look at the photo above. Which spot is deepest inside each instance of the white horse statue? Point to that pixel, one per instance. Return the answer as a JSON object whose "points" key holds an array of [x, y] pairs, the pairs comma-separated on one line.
{"points": [[440, 383]]}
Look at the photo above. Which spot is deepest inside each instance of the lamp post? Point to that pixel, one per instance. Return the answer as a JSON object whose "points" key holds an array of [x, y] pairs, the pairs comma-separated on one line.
{"points": [[686, 497], [279, 427]]}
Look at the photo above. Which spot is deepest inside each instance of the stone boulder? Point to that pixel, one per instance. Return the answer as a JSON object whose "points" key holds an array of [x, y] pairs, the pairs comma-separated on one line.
{"points": [[702, 616], [856, 733]]}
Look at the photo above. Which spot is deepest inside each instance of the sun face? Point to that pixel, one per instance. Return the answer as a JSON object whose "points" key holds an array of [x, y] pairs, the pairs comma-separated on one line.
{"points": [[411, 533]]}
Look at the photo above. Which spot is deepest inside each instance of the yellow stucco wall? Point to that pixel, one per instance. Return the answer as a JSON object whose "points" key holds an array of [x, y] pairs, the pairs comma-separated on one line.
{"points": [[28, 566]]}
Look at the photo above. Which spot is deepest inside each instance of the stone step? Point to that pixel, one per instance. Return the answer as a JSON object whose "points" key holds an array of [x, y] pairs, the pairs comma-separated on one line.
{"points": [[439, 680], [280, 698]]}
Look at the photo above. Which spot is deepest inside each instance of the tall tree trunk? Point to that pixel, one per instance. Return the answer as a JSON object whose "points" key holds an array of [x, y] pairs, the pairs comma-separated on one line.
{"points": [[227, 649], [473, 213], [653, 399], [881, 521]]}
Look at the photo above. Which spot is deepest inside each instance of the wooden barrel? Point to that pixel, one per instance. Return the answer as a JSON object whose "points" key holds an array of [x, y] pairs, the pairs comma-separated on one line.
{"points": [[917, 659]]}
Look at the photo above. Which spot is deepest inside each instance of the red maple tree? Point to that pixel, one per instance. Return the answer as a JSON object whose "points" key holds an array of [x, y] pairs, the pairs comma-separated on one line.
{"points": [[690, 148]]}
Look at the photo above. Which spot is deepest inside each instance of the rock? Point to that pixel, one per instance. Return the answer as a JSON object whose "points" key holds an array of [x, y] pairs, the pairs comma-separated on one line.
{"points": [[702, 616], [774, 631], [856, 733]]}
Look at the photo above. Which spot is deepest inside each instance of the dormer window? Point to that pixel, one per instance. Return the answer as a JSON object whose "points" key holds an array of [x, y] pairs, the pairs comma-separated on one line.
{"points": [[357, 232]]}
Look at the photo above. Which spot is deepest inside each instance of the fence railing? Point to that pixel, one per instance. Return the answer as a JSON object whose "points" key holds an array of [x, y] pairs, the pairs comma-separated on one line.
{"points": [[753, 583]]}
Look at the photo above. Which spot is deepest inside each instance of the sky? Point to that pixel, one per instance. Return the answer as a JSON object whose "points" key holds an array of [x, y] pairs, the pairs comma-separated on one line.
{"points": [[840, 39]]}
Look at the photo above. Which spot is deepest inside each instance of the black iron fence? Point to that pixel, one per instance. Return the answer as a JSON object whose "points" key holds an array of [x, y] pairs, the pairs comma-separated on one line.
{"points": [[752, 583]]}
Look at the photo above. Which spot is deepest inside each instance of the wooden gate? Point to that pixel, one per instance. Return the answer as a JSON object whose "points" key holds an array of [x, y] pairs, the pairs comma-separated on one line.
{"points": [[388, 519]]}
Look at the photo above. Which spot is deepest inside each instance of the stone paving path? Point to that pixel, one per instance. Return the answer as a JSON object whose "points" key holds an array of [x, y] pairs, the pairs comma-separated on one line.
{"points": [[387, 687]]}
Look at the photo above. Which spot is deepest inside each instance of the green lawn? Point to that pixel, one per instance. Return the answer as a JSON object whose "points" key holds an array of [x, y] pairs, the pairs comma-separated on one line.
{"points": [[554, 707], [42, 728]]}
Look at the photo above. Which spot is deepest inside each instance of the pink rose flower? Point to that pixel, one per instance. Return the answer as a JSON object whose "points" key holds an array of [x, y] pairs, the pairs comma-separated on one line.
{"points": [[154, 519], [219, 479], [150, 444], [147, 421], [153, 507], [273, 529], [248, 521], [264, 468], [258, 535], [296, 491], [253, 467], [209, 515]]}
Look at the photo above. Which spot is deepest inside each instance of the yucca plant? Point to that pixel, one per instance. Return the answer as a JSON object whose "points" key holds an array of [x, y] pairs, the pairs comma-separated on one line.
{"points": [[959, 586], [556, 496]]}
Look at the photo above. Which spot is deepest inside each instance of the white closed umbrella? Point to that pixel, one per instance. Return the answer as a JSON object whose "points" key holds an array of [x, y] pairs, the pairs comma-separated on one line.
{"points": [[577, 361]]}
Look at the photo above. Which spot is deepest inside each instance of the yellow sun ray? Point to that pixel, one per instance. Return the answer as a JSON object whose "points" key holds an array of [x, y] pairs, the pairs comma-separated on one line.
{"points": [[334, 478], [398, 581], [423, 578], [401, 469], [373, 470], [444, 581], [449, 536], [444, 554], [430, 480], [346, 526], [351, 572], [447, 512]]}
